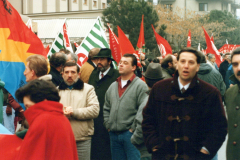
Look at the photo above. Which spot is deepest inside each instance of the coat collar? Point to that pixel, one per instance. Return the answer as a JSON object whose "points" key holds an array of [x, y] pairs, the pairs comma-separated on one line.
{"points": [[109, 74], [192, 89], [43, 107], [235, 80], [91, 63], [77, 86]]}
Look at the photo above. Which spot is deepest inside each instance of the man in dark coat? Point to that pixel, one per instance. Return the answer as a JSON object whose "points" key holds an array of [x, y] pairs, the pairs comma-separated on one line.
{"points": [[224, 65], [101, 79], [232, 101], [184, 117]]}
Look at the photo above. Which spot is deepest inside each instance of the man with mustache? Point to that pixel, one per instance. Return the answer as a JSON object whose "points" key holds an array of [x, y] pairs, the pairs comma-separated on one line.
{"points": [[232, 102], [81, 106], [184, 118], [101, 79]]}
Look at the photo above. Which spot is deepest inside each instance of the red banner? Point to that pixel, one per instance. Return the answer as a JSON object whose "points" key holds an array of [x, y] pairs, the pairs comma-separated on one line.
{"points": [[114, 46], [163, 45]]}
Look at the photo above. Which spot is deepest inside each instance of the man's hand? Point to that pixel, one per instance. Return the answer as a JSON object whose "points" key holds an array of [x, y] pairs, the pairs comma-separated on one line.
{"points": [[130, 130], [154, 149], [67, 111], [204, 151]]}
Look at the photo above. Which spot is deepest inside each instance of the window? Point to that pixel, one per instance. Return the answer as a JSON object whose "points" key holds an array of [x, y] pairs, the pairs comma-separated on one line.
{"points": [[168, 6], [103, 5], [74, 1], [94, 3], [203, 7], [85, 1]]}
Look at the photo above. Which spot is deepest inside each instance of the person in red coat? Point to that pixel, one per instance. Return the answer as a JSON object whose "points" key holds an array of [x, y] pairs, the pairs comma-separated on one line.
{"points": [[184, 118], [50, 134]]}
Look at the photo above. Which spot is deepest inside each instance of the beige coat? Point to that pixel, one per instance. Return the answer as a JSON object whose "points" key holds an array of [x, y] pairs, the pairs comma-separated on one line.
{"points": [[85, 108], [86, 71]]}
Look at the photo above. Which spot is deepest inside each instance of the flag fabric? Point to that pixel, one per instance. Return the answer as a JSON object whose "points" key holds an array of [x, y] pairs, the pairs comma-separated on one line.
{"points": [[17, 42], [114, 46], [126, 46], [163, 45], [189, 40], [211, 48], [212, 38], [46, 50], [61, 41], [141, 41], [76, 45], [228, 48], [95, 38]]}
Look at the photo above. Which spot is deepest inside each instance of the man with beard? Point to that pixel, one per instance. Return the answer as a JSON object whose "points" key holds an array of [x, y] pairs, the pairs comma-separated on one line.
{"points": [[232, 101], [101, 84], [169, 66], [81, 106]]}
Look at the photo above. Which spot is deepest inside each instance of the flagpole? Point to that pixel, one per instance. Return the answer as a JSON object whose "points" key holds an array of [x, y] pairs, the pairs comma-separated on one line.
{"points": [[56, 37]]}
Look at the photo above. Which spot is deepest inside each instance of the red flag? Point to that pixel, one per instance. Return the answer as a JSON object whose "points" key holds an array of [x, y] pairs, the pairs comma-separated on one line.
{"points": [[76, 45], [228, 48], [212, 38], [126, 45], [189, 40], [163, 45], [114, 46], [141, 41], [211, 48], [46, 51]]}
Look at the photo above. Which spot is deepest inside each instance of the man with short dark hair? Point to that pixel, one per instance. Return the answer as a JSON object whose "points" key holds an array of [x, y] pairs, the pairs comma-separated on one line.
{"points": [[89, 66], [81, 106], [184, 117], [50, 135], [57, 61], [101, 78], [169, 66], [122, 101], [232, 102]]}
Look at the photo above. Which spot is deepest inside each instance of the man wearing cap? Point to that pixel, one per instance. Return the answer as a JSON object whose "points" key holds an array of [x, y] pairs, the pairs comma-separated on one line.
{"points": [[89, 66], [184, 117], [122, 100], [152, 75], [101, 84]]}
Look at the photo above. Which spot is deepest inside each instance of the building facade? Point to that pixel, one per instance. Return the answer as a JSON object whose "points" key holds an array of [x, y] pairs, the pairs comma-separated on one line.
{"points": [[202, 6], [60, 8]]}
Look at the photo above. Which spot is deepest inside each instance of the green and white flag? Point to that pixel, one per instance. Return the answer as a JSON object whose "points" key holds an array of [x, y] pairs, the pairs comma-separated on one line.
{"points": [[61, 41], [96, 38]]}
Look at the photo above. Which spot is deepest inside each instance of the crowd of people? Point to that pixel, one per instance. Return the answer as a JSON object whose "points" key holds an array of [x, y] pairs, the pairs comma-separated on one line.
{"points": [[172, 110]]}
